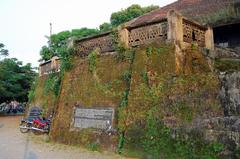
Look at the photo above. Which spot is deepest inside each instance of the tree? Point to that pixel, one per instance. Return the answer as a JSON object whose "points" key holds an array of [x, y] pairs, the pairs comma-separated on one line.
{"points": [[3, 52], [105, 27], [46, 53], [150, 8], [130, 13], [84, 32], [15, 80], [58, 42]]}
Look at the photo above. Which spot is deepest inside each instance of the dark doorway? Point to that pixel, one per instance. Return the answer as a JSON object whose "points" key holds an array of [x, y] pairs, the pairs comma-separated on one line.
{"points": [[193, 36], [227, 35]]}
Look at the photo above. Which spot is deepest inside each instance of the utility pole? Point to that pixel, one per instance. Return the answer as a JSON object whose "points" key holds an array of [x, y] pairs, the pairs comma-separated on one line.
{"points": [[50, 29], [50, 34]]}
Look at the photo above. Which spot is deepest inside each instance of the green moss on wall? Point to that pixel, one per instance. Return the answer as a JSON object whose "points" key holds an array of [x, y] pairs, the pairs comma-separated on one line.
{"points": [[227, 64], [101, 87], [42, 98], [144, 80], [177, 99]]}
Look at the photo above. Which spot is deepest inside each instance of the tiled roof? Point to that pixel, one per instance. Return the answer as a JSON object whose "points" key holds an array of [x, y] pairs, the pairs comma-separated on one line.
{"points": [[193, 9]]}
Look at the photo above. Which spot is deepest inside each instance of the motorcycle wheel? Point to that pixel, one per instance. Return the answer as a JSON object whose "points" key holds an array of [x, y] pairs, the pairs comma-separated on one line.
{"points": [[23, 130], [36, 132]]}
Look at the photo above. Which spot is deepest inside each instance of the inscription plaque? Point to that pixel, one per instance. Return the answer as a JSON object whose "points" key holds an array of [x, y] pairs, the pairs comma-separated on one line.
{"points": [[99, 118]]}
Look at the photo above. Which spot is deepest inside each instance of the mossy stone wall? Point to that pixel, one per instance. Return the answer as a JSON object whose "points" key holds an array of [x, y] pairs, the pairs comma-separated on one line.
{"points": [[154, 85], [42, 98], [177, 99], [101, 87]]}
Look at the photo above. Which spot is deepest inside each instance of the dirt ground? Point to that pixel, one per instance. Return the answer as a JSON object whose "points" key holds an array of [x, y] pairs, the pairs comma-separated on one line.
{"points": [[15, 145]]}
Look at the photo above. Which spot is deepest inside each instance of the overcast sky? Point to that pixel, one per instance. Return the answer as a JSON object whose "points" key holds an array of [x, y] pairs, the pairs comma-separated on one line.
{"points": [[25, 22]]}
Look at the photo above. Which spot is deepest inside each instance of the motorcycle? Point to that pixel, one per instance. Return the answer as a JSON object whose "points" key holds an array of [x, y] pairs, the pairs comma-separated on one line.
{"points": [[26, 124], [41, 125]]}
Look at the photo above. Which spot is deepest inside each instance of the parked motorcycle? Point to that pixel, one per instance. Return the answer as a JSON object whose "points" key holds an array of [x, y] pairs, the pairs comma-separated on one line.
{"points": [[26, 124], [41, 125]]}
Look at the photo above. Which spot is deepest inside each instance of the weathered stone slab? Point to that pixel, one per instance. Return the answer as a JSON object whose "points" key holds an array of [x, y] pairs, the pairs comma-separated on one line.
{"points": [[98, 118], [230, 93]]}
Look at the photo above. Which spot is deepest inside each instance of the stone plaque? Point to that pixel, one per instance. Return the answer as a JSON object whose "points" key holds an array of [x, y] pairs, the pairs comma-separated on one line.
{"points": [[99, 118]]}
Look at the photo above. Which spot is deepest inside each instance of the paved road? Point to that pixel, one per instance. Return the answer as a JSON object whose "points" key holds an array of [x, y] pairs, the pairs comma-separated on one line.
{"points": [[15, 145]]}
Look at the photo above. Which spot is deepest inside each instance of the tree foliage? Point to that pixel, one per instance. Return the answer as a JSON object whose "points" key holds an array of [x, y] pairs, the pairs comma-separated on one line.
{"points": [[83, 32], [46, 53], [105, 27], [15, 78], [126, 15], [3, 52], [58, 42], [130, 13]]}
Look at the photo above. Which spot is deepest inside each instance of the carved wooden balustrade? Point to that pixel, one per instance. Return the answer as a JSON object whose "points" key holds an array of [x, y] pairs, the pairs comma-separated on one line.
{"points": [[147, 34], [193, 32], [104, 42]]}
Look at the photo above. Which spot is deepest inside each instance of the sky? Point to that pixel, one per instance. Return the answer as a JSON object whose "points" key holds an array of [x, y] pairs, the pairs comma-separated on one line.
{"points": [[24, 23]]}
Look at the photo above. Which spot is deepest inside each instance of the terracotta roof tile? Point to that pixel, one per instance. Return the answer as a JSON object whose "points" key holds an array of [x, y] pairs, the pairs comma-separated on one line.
{"points": [[193, 9]]}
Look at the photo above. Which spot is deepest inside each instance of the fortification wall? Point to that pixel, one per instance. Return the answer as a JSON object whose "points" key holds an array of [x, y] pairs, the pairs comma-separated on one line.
{"points": [[160, 81], [101, 88], [178, 99]]}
